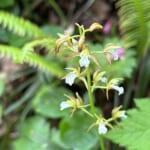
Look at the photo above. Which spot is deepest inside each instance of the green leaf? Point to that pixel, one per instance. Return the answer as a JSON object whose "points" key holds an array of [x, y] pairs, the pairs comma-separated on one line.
{"points": [[52, 30], [74, 134], [122, 68], [34, 135], [6, 3], [134, 132], [47, 101], [56, 142]]}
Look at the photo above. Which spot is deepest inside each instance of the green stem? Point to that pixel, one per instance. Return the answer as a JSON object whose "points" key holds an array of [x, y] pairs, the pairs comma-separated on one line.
{"points": [[58, 10], [101, 142], [91, 101], [90, 94], [84, 110]]}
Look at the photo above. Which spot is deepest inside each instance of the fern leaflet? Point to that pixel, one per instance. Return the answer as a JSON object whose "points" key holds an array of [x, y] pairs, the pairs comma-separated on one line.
{"points": [[33, 59], [19, 25]]}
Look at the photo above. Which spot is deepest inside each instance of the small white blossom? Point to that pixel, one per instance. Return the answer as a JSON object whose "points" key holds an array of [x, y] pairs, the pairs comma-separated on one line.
{"points": [[103, 79], [64, 105], [118, 54], [69, 79], [102, 128], [75, 48], [115, 56], [119, 89], [84, 60], [123, 115], [74, 45]]}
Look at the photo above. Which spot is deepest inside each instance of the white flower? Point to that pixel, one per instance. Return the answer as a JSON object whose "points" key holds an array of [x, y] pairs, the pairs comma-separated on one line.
{"points": [[103, 79], [84, 60], [123, 115], [64, 105], [69, 79], [74, 45], [119, 89], [75, 48], [115, 56], [102, 128]]}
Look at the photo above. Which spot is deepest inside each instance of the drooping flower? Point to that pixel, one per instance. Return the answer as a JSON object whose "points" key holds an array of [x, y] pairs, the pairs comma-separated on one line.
{"points": [[117, 54], [103, 79], [102, 129], [123, 115], [74, 45], [84, 59], [102, 124], [117, 113], [120, 89], [64, 105], [74, 103], [95, 26], [70, 78]]}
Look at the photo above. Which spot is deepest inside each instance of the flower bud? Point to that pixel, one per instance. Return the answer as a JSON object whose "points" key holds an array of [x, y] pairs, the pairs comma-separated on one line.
{"points": [[80, 43], [95, 26]]}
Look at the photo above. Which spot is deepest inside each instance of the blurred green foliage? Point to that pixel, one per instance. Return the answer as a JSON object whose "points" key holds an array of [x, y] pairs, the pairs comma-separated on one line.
{"points": [[40, 124]]}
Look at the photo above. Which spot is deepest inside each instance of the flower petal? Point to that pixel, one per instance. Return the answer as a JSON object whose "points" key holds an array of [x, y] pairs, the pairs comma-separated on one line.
{"points": [[84, 61], [119, 89], [103, 79], [70, 78], [102, 128], [64, 105], [123, 115]]}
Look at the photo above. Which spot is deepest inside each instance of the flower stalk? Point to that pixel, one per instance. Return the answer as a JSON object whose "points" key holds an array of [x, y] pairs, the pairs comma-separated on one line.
{"points": [[90, 94], [83, 72]]}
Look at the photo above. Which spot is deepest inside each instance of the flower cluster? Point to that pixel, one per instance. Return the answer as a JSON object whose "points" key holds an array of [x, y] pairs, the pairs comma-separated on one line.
{"points": [[83, 70]]}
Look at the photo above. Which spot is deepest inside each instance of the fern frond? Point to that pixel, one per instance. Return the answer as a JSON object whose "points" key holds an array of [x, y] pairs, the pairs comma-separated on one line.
{"points": [[134, 23], [33, 59], [48, 43], [19, 25]]}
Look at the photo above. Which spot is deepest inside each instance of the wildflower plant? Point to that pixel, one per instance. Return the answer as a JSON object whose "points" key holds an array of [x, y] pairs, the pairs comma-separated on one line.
{"points": [[87, 69]]}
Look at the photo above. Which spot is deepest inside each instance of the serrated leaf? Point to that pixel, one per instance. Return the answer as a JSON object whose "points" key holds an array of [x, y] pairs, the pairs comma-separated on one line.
{"points": [[135, 131], [34, 134], [47, 101], [74, 134], [122, 68]]}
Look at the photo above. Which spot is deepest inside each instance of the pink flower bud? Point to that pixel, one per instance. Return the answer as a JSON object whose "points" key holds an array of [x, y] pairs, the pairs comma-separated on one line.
{"points": [[118, 54], [107, 26]]}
